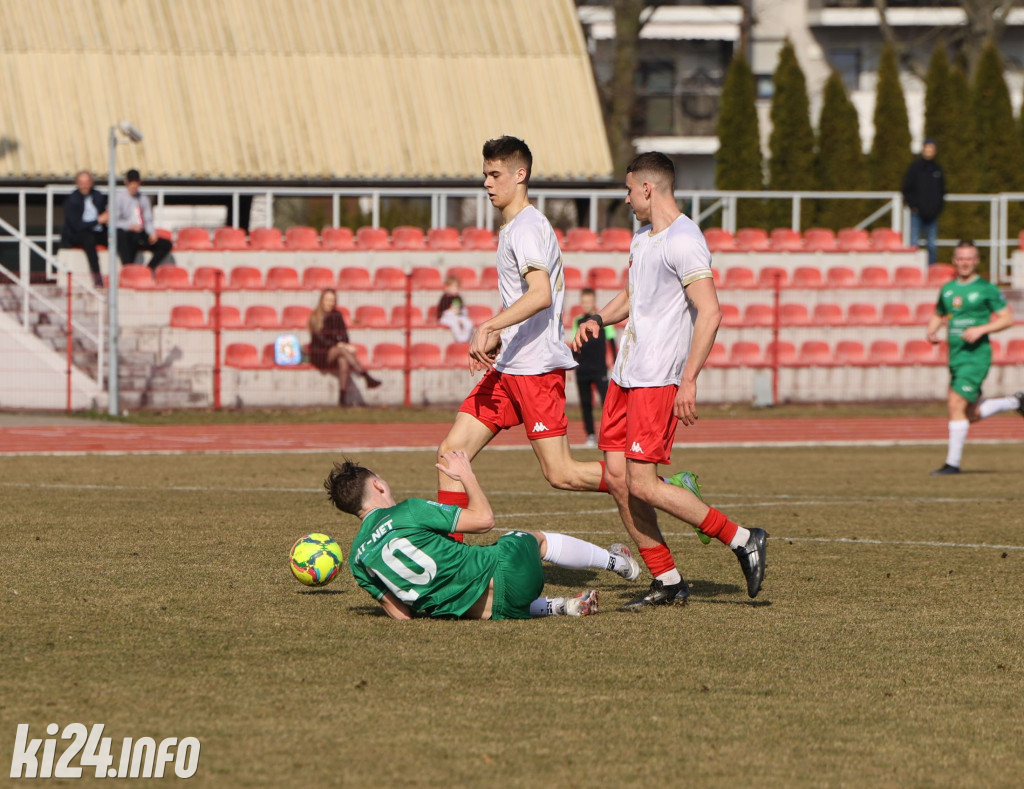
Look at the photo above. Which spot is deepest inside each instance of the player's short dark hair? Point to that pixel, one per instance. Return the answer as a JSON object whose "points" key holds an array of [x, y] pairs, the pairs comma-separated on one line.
{"points": [[346, 486], [966, 242], [512, 151], [587, 292], [132, 175], [655, 163]]}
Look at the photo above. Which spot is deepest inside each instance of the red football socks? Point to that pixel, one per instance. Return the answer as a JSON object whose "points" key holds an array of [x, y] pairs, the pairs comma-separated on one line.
{"points": [[716, 525], [459, 499], [658, 559], [603, 487]]}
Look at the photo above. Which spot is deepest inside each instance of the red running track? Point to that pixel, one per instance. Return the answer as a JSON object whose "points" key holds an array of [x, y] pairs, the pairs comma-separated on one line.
{"points": [[98, 437]]}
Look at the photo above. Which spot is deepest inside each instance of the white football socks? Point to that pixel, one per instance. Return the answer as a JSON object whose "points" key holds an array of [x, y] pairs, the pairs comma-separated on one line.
{"points": [[548, 606], [574, 554], [996, 405], [957, 436], [671, 578], [740, 538]]}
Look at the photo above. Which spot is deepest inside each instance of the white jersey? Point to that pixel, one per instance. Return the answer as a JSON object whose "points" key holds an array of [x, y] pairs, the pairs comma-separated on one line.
{"points": [[657, 337], [537, 345]]}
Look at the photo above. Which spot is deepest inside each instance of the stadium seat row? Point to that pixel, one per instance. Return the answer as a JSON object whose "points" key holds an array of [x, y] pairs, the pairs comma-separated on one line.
{"points": [[816, 239], [227, 239], [139, 277], [386, 356], [260, 316], [828, 314]]}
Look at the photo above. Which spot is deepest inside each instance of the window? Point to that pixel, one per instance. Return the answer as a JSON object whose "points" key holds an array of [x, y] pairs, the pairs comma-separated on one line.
{"points": [[847, 63]]}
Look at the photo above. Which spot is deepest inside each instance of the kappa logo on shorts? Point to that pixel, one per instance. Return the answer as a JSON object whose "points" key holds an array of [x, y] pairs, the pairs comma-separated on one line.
{"points": [[539, 427], [636, 448]]}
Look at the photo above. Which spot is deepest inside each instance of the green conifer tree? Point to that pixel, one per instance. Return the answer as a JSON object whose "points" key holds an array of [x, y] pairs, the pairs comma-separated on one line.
{"points": [[937, 118], [959, 159], [792, 138], [890, 150], [739, 165], [840, 158]]}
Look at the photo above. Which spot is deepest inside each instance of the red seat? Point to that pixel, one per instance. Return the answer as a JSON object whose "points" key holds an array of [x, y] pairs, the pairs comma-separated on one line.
{"points": [[243, 356], [208, 278], [187, 316], [581, 239], [389, 278], [1014, 353], [808, 277], [939, 274], [389, 356], [785, 239], [408, 237], [730, 315], [260, 316], [885, 239], [246, 277], [852, 239], [573, 278], [794, 315], [568, 318], [300, 238], [266, 238], [371, 316], [318, 278], [719, 240], [828, 314], [456, 354], [372, 238], [841, 277], [850, 352], [739, 277], [190, 238], [172, 277], [229, 317], [229, 239], [751, 239], [466, 276], [425, 356], [924, 312], [884, 352], [819, 239], [400, 314], [478, 238], [997, 351], [759, 315], [489, 278], [920, 352], [616, 239], [746, 354], [296, 316], [815, 353], [874, 277], [603, 277], [283, 278], [443, 238], [339, 239], [426, 278], [1020, 240], [135, 277], [718, 357], [478, 313], [354, 278], [786, 354], [769, 276], [862, 314], [897, 315], [908, 277]]}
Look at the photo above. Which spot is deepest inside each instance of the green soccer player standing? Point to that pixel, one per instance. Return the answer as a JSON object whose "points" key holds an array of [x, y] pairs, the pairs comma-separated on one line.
{"points": [[974, 309]]}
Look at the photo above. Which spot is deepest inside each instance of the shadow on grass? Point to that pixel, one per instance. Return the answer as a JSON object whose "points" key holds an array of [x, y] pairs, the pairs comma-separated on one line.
{"points": [[564, 577], [320, 591], [712, 589]]}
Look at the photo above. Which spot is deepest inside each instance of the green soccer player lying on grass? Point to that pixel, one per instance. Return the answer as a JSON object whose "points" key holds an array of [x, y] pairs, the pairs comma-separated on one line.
{"points": [[404, 556]]}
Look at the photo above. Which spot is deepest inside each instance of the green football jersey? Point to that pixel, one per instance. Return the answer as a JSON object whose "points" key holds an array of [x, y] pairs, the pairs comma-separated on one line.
{"points": [[406, 550], [968, 304]]}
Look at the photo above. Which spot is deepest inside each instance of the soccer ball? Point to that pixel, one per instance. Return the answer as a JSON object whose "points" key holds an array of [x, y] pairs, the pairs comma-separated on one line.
{"points": [[316, 559]]}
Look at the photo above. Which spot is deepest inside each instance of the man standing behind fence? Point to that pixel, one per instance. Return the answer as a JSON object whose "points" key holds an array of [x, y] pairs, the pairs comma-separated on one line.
{"points": [[924, 190]]}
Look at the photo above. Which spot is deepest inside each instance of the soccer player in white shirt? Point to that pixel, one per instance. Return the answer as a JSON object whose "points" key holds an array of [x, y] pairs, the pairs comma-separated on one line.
{"points": [[521, 349], [674, 316]]}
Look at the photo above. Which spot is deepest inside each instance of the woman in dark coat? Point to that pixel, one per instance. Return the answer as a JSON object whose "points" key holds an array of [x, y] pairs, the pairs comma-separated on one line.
{"points": [[329, 348]]}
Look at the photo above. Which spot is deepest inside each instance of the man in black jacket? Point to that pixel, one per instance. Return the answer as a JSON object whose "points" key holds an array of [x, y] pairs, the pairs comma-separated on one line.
{"points": [[924, 190], [85, 219]]}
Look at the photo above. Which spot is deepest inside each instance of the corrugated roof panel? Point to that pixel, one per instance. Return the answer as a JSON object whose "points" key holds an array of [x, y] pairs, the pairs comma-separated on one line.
{"points": [[296, 89]]}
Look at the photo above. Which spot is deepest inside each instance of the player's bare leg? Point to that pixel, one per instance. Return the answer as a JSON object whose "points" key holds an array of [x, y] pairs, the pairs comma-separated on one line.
{"points": [[470, 435], [562, 470]]}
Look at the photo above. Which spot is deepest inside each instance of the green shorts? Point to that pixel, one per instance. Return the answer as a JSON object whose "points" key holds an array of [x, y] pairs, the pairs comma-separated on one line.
{"points": [[519, 576], [967, 373]]}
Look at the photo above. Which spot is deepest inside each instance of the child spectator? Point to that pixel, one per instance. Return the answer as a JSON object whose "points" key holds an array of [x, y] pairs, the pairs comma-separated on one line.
{"points": [[451, 311], [593, 363], [329, 348]]}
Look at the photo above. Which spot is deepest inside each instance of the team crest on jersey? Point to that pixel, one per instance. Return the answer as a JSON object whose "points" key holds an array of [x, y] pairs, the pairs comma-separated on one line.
{"points": [[958, 302]]}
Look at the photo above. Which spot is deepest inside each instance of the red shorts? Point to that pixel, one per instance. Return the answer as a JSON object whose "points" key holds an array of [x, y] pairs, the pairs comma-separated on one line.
{"points": [[502, 401], [639, 422]]}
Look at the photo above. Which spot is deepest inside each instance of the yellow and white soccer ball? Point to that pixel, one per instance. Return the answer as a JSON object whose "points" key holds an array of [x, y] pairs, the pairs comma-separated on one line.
{"points": [[316, 559]]}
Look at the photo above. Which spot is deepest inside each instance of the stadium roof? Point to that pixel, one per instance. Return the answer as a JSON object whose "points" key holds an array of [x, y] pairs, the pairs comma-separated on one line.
{"points": [[296, 90]]}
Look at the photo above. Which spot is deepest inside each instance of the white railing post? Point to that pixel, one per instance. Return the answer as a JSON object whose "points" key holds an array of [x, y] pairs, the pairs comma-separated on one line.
{"points": [[795, 219], [375, 203], [23, 259], [49, 231]]}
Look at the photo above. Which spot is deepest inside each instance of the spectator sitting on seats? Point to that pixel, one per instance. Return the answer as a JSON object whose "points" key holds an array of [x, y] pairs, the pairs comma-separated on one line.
{"points": [[329, 348], [133, 218], [85, 219], [451, 311]]}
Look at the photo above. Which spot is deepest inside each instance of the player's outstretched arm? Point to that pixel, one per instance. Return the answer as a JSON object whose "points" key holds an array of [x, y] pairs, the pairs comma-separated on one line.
{"points": [[614, 311], [934, 324], [536, 298], [704, 297], [477, 517], [394, 607]]}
